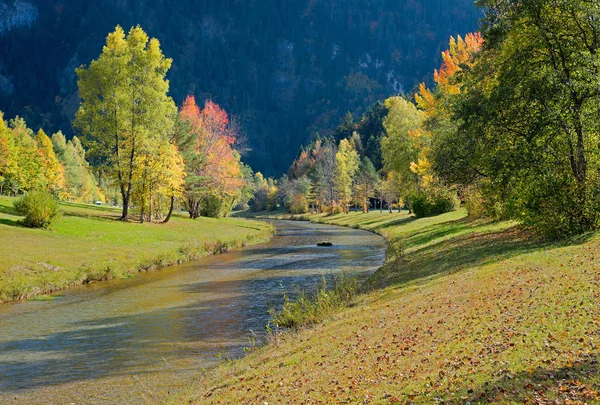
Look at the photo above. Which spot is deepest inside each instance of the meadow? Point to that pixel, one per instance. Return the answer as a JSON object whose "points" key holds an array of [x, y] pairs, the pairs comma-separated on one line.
{"points": [[90, 244]]}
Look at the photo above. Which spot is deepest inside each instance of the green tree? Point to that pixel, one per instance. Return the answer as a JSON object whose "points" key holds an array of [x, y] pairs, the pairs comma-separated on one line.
{"points": [[365, 182], [79, 183], [529, 113], [398, 147], [124, 104]]}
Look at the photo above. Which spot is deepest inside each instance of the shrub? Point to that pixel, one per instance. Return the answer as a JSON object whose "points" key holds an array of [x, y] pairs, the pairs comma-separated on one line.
{"points": [[332, 209], [395, 249], [299, 205], [475, 203], [212, 207], [309, 309], [39, 208], [424, 205]]}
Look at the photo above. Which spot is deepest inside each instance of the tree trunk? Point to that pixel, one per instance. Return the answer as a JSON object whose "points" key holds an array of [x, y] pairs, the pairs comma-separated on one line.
{"points": [[171, 208], [150, 205], [142, 212], [125, 212]]}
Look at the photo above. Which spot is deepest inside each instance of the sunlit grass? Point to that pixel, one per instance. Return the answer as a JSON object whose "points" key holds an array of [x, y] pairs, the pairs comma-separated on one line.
{"points": [[89, 243], [465, 312]]}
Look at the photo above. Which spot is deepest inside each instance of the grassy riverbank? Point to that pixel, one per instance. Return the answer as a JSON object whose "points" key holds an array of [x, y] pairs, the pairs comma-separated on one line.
{"points": [[466, 312], [90, 244]]}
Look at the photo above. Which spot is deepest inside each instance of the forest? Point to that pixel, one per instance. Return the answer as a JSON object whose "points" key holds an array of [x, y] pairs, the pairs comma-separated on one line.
{"points": [[287, 71], [508, 130], [144, 151], [466, 140], [445, 190]]}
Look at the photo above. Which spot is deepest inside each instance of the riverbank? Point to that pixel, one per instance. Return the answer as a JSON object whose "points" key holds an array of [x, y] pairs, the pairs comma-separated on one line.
{"points": [[462, 312], [90, 244]]}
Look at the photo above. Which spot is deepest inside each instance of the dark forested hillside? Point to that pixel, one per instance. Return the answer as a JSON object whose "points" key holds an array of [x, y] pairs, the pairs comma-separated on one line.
{"points": [[288, 69]]}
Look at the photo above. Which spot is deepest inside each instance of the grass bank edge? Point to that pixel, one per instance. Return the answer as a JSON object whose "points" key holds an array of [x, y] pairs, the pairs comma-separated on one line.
{"points": [[524, 299], [28, 281]]}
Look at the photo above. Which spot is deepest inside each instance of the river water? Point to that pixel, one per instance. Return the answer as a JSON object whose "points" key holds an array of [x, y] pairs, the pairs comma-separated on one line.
{"points": [[130, 341]]}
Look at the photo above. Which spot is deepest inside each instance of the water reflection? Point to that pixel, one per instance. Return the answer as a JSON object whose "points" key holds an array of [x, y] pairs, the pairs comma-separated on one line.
{"points": [[130, 338]]}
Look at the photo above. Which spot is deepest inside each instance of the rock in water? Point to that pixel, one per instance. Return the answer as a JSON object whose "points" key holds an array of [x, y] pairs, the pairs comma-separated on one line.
{"points": [[325, 244]]}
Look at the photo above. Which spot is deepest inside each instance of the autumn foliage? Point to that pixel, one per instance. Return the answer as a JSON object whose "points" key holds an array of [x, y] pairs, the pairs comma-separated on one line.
{"points": [[214, 165]]}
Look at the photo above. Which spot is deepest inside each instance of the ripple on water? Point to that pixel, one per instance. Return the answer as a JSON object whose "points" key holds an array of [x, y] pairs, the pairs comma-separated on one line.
{"points": [[121, 341]]}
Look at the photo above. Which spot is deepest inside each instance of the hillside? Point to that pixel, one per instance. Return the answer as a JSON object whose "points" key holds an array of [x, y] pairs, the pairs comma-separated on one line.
{"points": [[474, 312], [287, 69]]}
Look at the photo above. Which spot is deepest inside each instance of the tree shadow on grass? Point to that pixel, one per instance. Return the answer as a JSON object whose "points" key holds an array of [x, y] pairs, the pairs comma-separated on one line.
{"points": [[8, 210], [389, 224], [8, 221], [451, 255], [443, 230], [577, 384], [102, 216]]}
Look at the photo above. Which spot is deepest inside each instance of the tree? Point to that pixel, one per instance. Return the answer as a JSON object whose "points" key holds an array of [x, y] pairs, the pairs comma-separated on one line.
{"points": [[8, 160], [392, 190], [346, 166], [399, 148], [329, 172], [124, 103], [30, 174], [214, 166], [52, 169], [439, 153], [159, 181], [265, 196], [346, 128], [365, 182], [528, 113]]}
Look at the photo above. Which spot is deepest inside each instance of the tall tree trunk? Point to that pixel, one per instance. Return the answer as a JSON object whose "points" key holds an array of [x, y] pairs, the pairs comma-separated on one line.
{"points": [[142, 213], [150, 205], [171, 208], [125, 212]]}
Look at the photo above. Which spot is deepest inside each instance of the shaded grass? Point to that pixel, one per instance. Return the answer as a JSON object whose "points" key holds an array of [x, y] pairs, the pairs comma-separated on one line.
{"points": [[90, 244], [463, 312]]}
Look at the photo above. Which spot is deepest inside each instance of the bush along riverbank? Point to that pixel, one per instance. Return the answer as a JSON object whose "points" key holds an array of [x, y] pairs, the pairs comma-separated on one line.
{"points": [[462, 312], [90, 244]]}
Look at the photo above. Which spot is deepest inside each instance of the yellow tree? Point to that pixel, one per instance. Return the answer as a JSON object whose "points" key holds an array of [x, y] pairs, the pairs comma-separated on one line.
{"points": [[125, 102], [53, 170], [8, 163], [398, 146], [158, 179], [30, 174], [347, 161], [435, 104]]}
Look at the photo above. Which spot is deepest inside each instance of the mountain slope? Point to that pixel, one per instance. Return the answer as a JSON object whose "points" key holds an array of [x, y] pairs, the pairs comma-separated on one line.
{"points": [[287, 69]]}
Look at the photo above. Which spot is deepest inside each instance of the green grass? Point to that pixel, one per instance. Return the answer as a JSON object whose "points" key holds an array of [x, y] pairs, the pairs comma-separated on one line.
{"points": [[89, 244], [464, 312], [308, 309]]}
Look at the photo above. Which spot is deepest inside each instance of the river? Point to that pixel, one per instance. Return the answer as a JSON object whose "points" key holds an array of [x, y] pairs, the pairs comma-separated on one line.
{"points": [[130, 341]]}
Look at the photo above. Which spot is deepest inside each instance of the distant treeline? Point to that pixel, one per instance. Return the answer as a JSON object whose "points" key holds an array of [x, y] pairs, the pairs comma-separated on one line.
{"points": [[510, 129]]}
